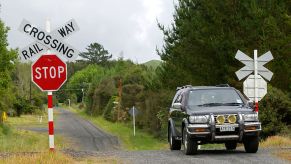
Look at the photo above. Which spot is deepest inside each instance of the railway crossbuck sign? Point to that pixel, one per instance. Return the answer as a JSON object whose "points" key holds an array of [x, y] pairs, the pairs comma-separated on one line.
{"points": [[255, 87], [48, 41], [49, 72], [249, 65]]}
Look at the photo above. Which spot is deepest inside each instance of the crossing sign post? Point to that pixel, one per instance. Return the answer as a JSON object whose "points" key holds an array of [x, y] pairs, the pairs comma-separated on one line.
{"points": [[252, 89], [49, 72], [48, 40]]}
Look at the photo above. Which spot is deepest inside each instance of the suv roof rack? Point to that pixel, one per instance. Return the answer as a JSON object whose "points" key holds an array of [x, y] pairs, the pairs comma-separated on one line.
{"points": [[222, 85], [185, 86]]}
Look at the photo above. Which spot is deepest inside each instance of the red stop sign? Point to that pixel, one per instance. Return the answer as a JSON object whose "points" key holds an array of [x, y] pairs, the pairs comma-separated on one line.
{"points": [[49, 72]]}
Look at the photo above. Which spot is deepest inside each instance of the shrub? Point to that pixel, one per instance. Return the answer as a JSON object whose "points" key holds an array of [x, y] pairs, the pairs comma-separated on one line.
{"points": [[274, 112]]}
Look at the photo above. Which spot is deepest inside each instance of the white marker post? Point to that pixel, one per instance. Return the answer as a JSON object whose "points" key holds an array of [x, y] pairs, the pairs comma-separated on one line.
{"points": [[256, 80], [133, 120], [50, 104]]}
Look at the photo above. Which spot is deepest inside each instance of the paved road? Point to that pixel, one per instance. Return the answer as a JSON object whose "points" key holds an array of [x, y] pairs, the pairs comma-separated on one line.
{"points": [[82, 133]]}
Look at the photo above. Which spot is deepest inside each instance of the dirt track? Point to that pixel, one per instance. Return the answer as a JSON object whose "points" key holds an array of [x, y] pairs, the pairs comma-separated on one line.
{"points": [[84, 135], [92, 141]]}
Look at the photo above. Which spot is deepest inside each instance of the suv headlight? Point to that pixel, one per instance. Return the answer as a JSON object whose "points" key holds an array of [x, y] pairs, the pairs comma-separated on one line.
{"points": [[250, 117], [199, 119]]}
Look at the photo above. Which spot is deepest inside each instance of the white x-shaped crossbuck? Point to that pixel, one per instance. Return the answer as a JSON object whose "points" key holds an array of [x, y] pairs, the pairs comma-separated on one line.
{"points": [[48, 41]]}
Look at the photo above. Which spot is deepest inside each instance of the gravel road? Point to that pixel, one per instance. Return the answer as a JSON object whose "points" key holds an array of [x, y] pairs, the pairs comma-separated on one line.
{"points": [[84, 135], [94, 142], [263, 156]]}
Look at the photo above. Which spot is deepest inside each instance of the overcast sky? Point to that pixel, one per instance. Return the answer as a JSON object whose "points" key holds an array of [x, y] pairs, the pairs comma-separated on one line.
{"points": [[127, 26]]}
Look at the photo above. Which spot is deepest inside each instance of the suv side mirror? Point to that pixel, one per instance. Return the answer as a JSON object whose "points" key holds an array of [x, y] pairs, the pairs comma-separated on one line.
{"points": [[177, 105]]}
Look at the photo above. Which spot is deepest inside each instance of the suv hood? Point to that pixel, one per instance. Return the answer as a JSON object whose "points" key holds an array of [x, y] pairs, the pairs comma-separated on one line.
{"points": [[218, 110]]}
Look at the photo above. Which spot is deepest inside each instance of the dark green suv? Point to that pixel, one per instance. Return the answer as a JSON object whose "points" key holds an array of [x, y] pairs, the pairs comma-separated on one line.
{"points": [[212, 114]]}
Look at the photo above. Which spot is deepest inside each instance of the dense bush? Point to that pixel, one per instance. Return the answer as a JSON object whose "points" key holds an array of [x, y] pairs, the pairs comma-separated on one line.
{"points": [[274, 112]]}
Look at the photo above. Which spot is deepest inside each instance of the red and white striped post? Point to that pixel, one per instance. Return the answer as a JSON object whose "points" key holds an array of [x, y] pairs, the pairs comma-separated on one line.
{"points": [[50, 120]]}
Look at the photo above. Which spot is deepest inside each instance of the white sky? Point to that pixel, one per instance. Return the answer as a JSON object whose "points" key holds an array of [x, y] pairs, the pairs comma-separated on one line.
{"points": [[128, 26]]}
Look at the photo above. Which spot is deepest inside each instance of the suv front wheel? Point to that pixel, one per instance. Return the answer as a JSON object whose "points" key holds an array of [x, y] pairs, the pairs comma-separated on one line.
{"points": [[190, 145], [251, 144], [174, 144]]}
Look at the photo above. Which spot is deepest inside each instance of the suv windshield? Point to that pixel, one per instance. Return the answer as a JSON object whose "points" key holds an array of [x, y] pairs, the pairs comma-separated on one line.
{"points": [[214, 97]]}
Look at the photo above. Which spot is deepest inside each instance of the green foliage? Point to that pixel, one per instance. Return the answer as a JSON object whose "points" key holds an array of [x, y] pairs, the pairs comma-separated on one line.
{"points": [[154, 111], [274, 112], [139, 89], [29, 98], [96, 54], [205, 36], [7, 60], [4, 129], [109, 112], [102, 94]]}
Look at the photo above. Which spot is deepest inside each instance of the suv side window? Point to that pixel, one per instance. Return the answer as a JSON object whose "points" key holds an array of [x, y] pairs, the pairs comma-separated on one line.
{"points": [[177, 97]]}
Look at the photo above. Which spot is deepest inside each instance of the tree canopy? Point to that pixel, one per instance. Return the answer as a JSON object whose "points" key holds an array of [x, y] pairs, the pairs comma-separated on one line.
{"points": [[96, 54], [201, 44], [7, 64]]}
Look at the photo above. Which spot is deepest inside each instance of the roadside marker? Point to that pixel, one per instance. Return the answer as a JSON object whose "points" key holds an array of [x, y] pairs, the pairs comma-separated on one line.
{"points": [[50, 120]]}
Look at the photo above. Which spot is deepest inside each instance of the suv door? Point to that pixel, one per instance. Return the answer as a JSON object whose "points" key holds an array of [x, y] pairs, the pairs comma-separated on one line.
{"points": [[176, 114]]}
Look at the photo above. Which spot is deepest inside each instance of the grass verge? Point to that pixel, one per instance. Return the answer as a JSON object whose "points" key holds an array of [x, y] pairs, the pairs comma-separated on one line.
{"points": [[13, 138], [25, 146], [276, 142], [141, 141], [27, 121], [39, 158]]}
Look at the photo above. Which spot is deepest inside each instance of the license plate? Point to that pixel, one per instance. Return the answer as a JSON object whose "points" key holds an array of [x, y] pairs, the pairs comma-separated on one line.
{"points": [[227, 128]]}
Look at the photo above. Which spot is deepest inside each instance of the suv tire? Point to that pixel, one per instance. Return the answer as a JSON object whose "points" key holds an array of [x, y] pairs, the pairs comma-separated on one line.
{"points": [[174, 144], [190, 145], [230, 145], [251, 144]]}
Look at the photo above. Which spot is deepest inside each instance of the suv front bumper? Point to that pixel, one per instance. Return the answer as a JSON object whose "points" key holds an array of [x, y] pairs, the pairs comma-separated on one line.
{"points": [[211, 132]]}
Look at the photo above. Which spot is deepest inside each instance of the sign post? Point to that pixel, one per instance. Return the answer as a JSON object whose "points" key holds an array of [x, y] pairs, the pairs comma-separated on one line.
{"points": [[50, 120], [254, 65], [133, 112], [256, 80], [48, 72]]}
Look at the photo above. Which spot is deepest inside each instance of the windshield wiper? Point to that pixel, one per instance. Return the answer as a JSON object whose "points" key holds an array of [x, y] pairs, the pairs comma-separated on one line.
{"points": [[233, 104], [211, 104], [221, 104]]}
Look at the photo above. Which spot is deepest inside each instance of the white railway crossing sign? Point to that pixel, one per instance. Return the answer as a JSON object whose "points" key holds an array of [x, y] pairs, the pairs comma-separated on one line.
{"points": [[249, 65], [249, 87], [48, 41], [255, 87]]}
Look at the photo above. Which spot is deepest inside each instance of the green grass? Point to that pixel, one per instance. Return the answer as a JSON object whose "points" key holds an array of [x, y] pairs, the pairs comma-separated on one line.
{"points": [[14, 139], [142, 140], [27, 121]]}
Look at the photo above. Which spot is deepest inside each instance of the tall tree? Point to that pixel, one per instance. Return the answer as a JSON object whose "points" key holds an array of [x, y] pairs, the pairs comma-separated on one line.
{"points": [[96, 54], [7, 64], [201, 43]]}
